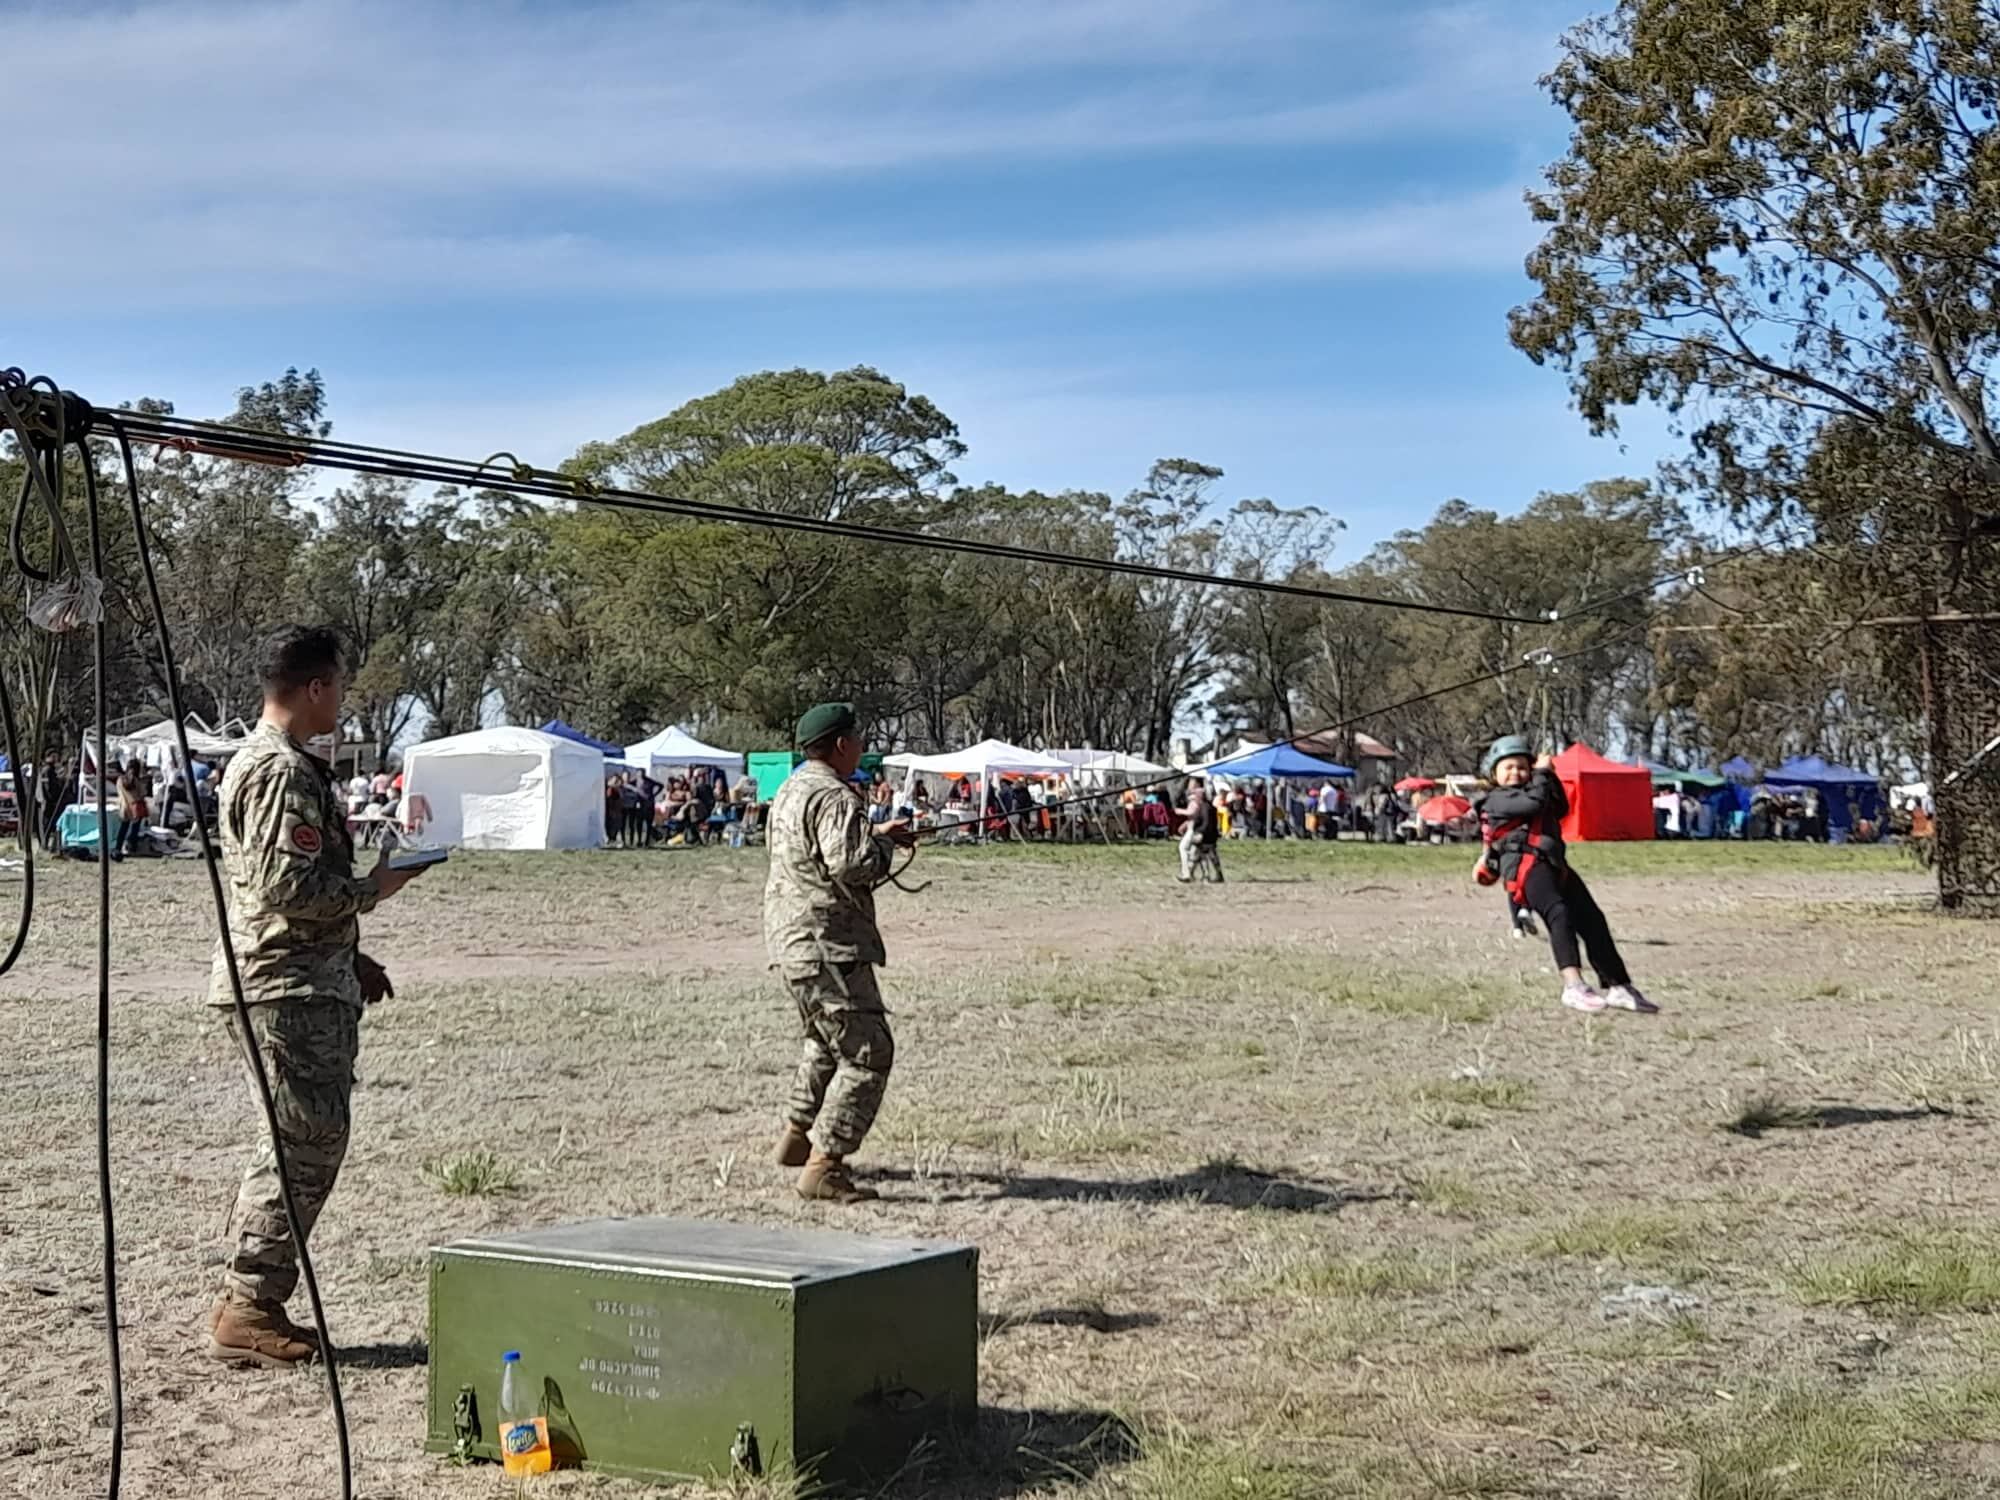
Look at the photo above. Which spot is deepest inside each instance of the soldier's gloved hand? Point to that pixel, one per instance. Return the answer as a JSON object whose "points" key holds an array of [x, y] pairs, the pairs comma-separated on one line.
{"points": [[375, 983]]}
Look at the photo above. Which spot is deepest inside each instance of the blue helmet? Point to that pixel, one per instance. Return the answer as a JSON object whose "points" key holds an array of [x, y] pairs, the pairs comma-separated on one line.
{"points": [[1505, 748]]}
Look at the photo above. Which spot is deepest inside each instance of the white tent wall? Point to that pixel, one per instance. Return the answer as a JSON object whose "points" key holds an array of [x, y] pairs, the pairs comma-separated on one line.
{"points": [[505, 788], [674, 746]]}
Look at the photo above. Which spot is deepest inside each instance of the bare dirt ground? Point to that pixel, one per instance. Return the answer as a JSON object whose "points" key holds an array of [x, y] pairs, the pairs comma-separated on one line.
{"points": [[1293, 1187]]}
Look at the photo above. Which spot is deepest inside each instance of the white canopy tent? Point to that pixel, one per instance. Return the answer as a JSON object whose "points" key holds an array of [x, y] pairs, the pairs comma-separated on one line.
{"points": [[674, 747], [506, 788], [983, 761], [156, 748], [1119, 763]]}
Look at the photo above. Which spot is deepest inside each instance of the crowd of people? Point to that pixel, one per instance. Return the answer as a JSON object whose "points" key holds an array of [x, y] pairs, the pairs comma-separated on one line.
{"points": [[1057, 808], [1302, 810], [138, 797], [699, 807]]}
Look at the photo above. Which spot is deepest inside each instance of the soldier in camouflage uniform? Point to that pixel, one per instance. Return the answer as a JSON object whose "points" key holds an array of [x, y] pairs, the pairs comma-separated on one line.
{"points": [[294, 899], [819, 926]]}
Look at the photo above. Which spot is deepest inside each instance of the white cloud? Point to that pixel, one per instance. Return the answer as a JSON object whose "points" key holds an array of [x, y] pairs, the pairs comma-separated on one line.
{"points": [[260, 153], [314, 256]]}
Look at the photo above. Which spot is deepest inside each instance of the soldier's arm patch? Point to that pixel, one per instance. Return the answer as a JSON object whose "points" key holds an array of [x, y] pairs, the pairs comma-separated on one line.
{"points": [[295, 835]]}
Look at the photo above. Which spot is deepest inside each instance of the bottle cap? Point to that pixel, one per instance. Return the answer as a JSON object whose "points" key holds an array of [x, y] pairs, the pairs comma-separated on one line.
{"points": [[510, 1356]]}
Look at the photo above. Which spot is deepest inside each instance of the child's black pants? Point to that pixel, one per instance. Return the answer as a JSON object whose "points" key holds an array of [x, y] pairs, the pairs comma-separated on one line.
{"points": [[1564, 903]]}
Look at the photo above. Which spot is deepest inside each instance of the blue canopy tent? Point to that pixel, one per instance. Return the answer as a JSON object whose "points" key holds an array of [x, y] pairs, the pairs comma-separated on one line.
{"points": [[1271, 762], [1725, 801], [1739, 769], [1848, 795], [564, 731], [1275, 760]]}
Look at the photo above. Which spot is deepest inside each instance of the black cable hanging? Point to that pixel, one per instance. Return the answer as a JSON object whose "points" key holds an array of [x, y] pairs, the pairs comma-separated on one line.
{"points": [[99, 656], [250, 446], [245, 1035], [72, 421]]}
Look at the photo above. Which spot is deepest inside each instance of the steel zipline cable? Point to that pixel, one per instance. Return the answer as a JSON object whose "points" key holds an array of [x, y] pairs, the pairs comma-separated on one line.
{"points": [[514, 477]]}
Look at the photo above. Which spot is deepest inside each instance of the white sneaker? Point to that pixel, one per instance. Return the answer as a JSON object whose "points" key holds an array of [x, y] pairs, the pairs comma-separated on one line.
{"points": [[1525, 927], [1624, 997], [1582, 997]]}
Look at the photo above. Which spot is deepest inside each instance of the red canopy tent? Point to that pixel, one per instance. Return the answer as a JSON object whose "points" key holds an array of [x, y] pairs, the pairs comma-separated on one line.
{"points": [[1606, 800]]}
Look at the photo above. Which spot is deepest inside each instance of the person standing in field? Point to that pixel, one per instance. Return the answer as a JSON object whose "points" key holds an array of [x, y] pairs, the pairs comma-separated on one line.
{"points": [[819, 928], [294, 900], [1200, 839]]}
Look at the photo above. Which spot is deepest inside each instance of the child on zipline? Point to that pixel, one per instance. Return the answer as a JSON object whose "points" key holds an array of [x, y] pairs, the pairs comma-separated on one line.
{"points": [[1520, 824]]}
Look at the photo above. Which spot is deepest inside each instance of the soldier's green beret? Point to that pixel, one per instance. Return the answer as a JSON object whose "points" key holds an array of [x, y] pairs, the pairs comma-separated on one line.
{"points": [[824, 719]]}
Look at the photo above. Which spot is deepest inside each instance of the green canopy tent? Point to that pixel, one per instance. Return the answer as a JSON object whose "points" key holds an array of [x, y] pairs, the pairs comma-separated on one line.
{"points": [[1687, 781]]}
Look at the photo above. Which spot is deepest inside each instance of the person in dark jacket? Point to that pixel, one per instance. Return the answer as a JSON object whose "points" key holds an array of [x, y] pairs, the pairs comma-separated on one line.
{"points": [[1521, 827]]}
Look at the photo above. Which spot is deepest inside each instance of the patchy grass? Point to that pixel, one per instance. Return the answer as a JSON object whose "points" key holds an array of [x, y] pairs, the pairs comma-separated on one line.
{"points": [[1447, 1193], [1963, 1077], [1798, 1445], [475, 1174], [1939, 1270], [1172, 1461], [1310, 1272], [1247, 975], [1619, 1235], [1178, 1125], [1086, 1119], [1483, 1093]]}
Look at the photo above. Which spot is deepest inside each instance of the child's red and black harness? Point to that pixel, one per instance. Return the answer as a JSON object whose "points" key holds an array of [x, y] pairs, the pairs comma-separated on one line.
{"points": [[1538, 845]]}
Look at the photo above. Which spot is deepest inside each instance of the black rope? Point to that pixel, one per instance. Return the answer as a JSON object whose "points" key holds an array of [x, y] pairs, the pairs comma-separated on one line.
{"points": [[99, 656], [245, 1035], [24, 805], [251, 445], [262, 447]]}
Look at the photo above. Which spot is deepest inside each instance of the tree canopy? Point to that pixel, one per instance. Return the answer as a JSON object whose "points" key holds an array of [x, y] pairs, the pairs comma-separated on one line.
{"points": [[465, 608], [1778, 222]]}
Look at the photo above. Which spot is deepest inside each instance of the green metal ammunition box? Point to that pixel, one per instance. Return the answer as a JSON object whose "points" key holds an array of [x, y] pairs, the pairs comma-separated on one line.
{"points": [[677, 1348]]}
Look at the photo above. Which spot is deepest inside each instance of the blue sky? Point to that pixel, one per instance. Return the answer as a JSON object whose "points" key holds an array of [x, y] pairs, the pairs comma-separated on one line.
{"points": [[1278, 236]]}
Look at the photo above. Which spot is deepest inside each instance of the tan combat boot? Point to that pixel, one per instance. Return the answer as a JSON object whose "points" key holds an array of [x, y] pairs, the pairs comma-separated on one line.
{"points": [[827, 1180], [257, 1333], [794, 1149]]}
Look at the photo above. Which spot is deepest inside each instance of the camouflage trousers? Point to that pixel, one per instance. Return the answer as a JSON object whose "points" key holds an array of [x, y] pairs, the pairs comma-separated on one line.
{"points": [[845, 1058], [309, 1049]]}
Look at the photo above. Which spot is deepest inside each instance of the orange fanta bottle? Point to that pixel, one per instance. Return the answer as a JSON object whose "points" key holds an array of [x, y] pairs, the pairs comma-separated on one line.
{"points": [[524, 1434]]}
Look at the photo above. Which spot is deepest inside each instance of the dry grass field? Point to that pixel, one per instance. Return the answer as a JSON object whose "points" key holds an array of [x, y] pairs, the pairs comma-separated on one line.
{"points": [[1299, 1186]]}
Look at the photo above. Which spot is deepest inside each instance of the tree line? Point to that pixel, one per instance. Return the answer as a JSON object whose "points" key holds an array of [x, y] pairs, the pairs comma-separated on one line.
{"points": [[464, 608]]}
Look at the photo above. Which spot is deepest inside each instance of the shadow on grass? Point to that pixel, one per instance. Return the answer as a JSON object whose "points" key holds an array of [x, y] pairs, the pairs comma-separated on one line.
{"points": [[1096, 1319], [1224, 1184], [1008, 1452], [413, 1354], [1831, 1117]]}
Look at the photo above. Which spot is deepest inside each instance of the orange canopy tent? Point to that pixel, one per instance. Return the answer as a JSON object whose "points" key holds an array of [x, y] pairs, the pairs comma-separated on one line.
{"points": [[1606, 800]]}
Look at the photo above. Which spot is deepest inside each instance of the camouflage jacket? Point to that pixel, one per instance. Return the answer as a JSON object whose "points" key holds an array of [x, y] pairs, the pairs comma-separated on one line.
{"points": [[289, 862], [819, 899]]}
